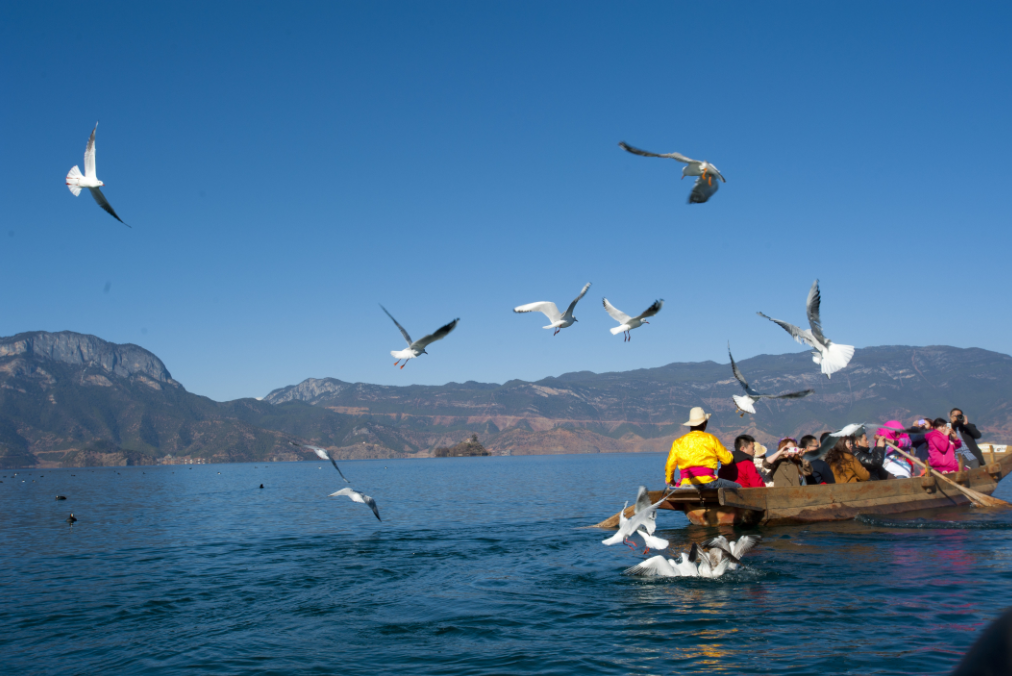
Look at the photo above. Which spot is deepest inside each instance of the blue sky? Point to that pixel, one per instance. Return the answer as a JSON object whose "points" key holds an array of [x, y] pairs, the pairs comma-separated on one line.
{"points": [[288, 167]]}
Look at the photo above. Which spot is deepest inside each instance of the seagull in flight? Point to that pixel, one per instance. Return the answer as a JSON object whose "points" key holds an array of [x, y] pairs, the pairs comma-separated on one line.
{"points": [[745, 404], [831, 356], [322, 452], [359, 497], [644, 517], [705, 186], [558, 320], [416, 348], [89, 180], [627, 323]]}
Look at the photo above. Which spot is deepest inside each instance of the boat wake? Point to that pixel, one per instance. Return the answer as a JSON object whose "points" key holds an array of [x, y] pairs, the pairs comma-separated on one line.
{"points": [[927, 524]]}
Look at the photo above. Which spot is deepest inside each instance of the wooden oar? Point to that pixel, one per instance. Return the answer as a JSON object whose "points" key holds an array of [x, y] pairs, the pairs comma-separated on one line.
{"points": [[975, 497]]}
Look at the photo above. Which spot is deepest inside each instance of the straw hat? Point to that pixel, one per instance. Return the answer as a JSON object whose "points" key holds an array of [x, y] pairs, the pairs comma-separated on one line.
{"points": [[758, 450], [697, 417]]}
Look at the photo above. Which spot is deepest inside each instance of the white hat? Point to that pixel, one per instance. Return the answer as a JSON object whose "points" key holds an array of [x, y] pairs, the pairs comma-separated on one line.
{"points": [[697, 417]]}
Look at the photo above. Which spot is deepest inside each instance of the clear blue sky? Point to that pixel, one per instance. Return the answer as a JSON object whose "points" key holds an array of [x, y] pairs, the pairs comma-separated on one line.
{"points": [[286, 167]]}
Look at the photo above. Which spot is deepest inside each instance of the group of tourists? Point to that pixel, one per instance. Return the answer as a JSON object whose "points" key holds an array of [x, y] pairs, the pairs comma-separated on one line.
{"points": [[701, 459]]}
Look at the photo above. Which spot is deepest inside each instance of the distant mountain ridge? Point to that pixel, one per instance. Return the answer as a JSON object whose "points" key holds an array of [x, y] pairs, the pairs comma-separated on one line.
{"points": [[73, 399]]}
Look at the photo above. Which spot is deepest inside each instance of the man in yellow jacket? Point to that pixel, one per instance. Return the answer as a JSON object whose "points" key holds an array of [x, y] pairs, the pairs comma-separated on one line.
{"points": [[697, 455]]}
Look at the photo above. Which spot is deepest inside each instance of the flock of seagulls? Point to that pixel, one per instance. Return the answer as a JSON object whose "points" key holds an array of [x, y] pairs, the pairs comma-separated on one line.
{"points": [[712, 559], [355, 496]]}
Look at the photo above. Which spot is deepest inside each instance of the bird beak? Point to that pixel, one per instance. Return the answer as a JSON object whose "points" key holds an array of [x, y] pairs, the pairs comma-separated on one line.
{"points": [[645, 322]]}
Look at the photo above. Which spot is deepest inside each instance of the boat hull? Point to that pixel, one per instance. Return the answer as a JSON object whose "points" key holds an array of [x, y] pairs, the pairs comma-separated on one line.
{"points": [[826, 502]]}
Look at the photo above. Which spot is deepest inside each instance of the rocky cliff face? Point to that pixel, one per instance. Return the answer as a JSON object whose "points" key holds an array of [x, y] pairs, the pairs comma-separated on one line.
{"points": [[87, 352]]}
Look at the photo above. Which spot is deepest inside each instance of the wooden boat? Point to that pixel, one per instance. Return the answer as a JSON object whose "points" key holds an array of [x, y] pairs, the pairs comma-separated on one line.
{"points": [[827, 502]]}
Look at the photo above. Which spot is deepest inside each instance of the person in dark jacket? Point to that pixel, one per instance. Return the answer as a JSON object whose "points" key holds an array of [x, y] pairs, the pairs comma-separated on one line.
{"points": [[821, 473], [742, 470], [968, 433], [871, 458]]}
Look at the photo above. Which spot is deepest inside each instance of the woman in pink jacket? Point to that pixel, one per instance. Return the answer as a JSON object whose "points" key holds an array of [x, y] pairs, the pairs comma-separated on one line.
{"points": [[942, 444]]}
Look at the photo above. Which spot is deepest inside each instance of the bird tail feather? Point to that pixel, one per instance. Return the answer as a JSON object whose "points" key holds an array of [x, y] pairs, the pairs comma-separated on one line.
{"points": [[73, 176], [617, 330], [836, 357], [744, 403]]}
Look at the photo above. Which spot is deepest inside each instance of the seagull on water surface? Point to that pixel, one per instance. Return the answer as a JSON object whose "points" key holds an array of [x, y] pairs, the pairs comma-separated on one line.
{"points": [[705, 186], [627, 323], [322, 452], [711, 560], [831, 356], [89, 180], [416, 348], [745, 404], [359, 497], [558, 320]]}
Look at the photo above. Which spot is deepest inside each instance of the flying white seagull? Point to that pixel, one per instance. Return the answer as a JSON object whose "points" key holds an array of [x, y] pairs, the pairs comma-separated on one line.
{"points": [[76, 181], [745, 404], [417, 347], [322, 452], [558, 320], [359, 497], [627, 323], [831, 356], [705, 186]]}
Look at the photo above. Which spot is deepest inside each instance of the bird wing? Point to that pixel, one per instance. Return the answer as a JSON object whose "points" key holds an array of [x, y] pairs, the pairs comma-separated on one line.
{"points": [[652, 310], [742, 545], [615, 313], [734, 369], [372, 505], [89, 156], [644, 153], [703, 189], [439, 334], [789, 395], [545, 307], [800, 335], [651, 541], [404, 333], [350, 492], [104, 203], [338, 469], [655, 566], [642, 500], [812, 307], [572, 306]]}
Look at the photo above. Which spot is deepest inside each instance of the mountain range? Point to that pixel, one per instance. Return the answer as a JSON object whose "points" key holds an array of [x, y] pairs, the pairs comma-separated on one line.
{"points": [[69, 399]]}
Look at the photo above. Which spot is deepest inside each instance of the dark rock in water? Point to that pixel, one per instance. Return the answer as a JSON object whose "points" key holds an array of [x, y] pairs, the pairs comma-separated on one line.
{"points": [[261, 485], [471, 447], [61, 497]]}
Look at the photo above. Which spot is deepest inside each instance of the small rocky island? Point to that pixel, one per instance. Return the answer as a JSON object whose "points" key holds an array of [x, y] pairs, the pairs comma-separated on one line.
{"points": [[468, 447]]}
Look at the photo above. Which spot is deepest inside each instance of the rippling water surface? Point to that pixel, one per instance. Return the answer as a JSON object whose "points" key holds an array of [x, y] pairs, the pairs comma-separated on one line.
{"points": [[479, 567]]}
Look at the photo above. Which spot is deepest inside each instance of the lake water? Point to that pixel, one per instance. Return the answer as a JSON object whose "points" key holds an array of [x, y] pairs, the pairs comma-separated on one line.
{"points": [[480, 566]]}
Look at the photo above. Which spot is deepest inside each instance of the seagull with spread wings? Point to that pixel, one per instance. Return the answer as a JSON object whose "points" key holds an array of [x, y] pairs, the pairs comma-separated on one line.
{"points": [[706, 185], [76, 181], [831, 356], [558, 320], [359, 497], [323, 454], [627, 323], [746, 404], [417, 347]]}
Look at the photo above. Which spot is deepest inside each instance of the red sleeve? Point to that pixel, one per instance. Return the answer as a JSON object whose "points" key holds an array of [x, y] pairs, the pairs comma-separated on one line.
{"points": [[748, 477]]}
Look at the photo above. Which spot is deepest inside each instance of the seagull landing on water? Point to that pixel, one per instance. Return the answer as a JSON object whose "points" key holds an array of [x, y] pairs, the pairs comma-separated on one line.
{"points": [[745, 404], [417, 347], [359, 497], [89, 180], [831, 356], [705, 186], [627, 323], [323, 454], [558, 320]]}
